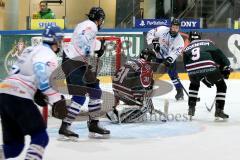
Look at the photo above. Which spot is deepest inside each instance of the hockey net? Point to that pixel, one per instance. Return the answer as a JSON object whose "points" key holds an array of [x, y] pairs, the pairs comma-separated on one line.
{"points": [[105, 66]]}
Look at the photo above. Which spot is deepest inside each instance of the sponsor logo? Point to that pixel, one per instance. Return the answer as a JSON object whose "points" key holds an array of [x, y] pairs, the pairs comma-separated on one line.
{"points": [[14, 53]]}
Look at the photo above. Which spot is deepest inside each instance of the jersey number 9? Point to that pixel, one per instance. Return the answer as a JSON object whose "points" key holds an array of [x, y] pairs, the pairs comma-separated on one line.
{"points": [[195, 54]]}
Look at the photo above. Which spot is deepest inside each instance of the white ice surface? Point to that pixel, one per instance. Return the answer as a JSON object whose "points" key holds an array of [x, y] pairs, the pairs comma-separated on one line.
{"points": [[201, 139]]}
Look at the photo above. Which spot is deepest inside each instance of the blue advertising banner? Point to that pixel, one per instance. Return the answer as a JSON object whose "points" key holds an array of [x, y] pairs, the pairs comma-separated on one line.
{"points": [[190, 23], [152, 23]]}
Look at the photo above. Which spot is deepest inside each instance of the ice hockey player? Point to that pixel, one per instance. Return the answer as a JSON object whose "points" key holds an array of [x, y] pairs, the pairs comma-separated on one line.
{"points": [[168, 45], [133, 85], [79, 74], [206, 63], [19, 114]]}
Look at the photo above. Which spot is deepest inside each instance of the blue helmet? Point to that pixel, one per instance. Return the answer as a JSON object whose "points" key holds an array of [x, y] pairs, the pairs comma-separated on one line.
{"points": [[52, 35]]}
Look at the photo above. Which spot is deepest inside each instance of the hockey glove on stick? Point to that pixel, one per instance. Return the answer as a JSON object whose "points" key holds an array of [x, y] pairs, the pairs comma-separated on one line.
{"points": [[102, 49], [156, 45], [40, 99], [168, 61], [226, 72], [59, 108]]}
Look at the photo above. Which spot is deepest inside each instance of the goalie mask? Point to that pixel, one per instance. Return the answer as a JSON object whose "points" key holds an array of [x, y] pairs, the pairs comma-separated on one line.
{"points": [[148, 55]]}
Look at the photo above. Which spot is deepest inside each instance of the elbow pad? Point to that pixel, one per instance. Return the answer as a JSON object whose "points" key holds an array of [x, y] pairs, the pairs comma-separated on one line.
{"points": [[41, 76]]}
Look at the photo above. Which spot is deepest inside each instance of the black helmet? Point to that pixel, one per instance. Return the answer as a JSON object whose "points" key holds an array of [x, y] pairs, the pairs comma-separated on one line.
{"points": [[96, 13], [148, 54], [175, 22], [194, 35]]}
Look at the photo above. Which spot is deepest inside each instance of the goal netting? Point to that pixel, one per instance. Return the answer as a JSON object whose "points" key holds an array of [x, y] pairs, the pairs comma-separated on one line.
{"points": [[106, 67]]}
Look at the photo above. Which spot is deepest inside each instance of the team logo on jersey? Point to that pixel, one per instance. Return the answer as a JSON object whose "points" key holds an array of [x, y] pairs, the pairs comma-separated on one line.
{"points": [[51, 64], [146, 75], [14, 53]]}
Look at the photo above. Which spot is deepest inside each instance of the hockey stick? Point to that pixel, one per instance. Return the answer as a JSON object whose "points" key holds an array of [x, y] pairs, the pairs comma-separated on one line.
{"points": [[210, 109], [198, 99]]}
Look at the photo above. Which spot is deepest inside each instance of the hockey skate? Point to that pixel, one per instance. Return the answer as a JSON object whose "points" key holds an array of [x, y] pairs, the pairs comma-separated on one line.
{"points": [[1, 152], [220, 115], [179, 95], [191, 112], [66, 134], [95, 131]]}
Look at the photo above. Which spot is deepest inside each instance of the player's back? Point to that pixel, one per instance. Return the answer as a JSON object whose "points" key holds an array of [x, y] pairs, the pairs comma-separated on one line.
{"points": [[198, 57], [22, 80], [134, 75], [83, 39]]}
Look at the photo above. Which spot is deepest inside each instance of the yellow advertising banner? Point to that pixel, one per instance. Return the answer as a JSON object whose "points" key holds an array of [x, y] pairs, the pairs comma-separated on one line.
{"points": [[37, 24]]}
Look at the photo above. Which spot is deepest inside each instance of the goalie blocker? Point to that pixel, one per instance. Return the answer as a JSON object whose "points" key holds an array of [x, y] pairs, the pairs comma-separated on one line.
{"points": [[133, 84]]}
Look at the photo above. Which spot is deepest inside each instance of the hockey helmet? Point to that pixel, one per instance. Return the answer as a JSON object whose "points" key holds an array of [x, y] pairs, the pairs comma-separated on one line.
{"points": [[194, 35], [173, 30], [52, 35], [175, 22], [96, 13], [148, 54]]}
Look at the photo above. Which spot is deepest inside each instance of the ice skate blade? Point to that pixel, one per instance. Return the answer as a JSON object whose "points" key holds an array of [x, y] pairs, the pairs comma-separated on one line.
{"points": [[219, 119], [94, 135], [65, 138], [190, 117], [164, 120], [180, 99]]}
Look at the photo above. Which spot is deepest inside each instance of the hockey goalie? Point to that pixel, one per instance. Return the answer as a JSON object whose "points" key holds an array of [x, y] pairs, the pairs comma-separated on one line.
{"points": [[133, 85]]}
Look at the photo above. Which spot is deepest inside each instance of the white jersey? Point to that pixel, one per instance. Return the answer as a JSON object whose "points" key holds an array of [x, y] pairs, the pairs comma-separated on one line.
{"points": [[83, 41], [31, 72], [169, 46]]}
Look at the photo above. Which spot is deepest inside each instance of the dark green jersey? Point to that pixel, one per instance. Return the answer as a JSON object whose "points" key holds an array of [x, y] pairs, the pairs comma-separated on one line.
{"points": [[202, 56]]}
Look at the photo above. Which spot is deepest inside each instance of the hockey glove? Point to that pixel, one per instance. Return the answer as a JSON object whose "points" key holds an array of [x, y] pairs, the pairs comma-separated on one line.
{"points": [[168, 61], [102, 49], [40, 99], [206, 82], [226, 72], [156, 45], [59, 108]]}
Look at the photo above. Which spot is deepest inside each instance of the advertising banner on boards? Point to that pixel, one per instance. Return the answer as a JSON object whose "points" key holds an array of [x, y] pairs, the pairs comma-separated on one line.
{"points": [[153, 23]]}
